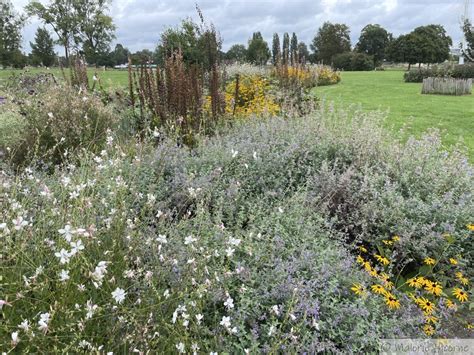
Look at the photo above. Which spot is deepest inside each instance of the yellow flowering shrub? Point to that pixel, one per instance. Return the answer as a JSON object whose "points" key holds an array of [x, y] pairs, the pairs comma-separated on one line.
{"points": [[327, 76], [299, 76], [436, 284], [253, 97]]}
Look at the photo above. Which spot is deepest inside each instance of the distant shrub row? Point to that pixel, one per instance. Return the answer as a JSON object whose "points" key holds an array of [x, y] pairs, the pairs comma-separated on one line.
{"points": [[352, 61], [465, 71]]}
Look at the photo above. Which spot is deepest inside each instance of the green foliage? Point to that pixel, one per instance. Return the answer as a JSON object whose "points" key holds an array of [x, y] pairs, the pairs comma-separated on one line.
{"points": [[10, 36], [285, 52], [465, 71], [294, 49], [237, 53], [12, 126], [276, 49], [43, 48], [258, 52], [353, 61], [374, 40], [468, 31], [303, 52], [403, 50], [330, 40], [120, 54]]}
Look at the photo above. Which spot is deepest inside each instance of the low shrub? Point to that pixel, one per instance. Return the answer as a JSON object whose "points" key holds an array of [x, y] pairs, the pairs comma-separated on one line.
{"points": [[326, 75], [465, 71], [57, 122], [12, 126], [353, 61], [248, 242], [417, 75]]}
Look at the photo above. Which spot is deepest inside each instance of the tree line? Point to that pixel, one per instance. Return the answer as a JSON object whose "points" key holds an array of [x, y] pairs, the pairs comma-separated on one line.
{"points": [[83, 27]]}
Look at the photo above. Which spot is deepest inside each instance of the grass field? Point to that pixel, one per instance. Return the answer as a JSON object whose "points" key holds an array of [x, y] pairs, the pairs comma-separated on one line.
{"points": [[406, 107]]}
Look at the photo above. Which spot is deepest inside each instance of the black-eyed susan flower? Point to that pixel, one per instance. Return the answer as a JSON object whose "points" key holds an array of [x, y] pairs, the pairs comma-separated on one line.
{"points": [[386, 280], [360, 260], [415, 282], [461, 278], [431, 319], [453, 261], [362, 249], [396, 238], [426, 305], [428, 329], [378, 289], [387, 242], [381, 259], [470, 227], [429, 261], [433, 287], [451, 305], [460, 294], [391, 301], [358, 289]]}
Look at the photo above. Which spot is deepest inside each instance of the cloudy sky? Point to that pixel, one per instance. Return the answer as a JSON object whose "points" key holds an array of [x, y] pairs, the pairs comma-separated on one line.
{"points": [[139, 22]]}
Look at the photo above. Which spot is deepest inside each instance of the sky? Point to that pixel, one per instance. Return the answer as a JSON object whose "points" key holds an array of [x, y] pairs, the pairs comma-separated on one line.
{"points": [[140, 22]]}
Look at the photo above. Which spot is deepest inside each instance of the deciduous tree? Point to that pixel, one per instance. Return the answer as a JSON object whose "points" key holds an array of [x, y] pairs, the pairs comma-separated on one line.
{"points": [[258, 52], [330, 40], [374, 40], [237, 53], [42, 48], [11, 24]]}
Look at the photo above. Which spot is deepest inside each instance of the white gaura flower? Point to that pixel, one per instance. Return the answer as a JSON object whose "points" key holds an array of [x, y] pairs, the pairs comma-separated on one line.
{"points": [[180, 347], [67, 232], [199, 318], [119, 295], [4, 303], [24, 325], [64, 275], [15, 338], [50, 115], [229, 252], [229, 303], [271, 330], [43, 322], [90, 308], [225, 322], [19, 223], [234, 241], [161, 239], [234, 153], [275, 309], [76, 247], [189, 240], [63, 256]]}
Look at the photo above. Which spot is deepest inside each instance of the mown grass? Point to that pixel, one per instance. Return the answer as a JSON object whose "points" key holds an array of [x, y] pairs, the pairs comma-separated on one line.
{"points": [[110, 78], [407, 108]]}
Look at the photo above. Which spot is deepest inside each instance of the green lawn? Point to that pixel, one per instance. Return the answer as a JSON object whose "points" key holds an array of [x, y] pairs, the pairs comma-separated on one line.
{"points": [[109, 78], [385, 90]]}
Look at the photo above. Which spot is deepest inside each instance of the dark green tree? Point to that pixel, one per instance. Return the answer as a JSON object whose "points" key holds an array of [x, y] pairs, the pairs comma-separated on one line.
{"points": [[276, 49], [293, 49], [330, 40], [11, 24], [285, 52], [432, 43], [303, 52], [237, 53], [403, 50], [258, 52], [374, 40], [120, 54], [468, 30], [42, 49], [142, 57]]}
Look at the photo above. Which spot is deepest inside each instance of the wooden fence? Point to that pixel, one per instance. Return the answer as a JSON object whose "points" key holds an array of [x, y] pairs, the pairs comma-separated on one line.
{"points": [[447, 86]]}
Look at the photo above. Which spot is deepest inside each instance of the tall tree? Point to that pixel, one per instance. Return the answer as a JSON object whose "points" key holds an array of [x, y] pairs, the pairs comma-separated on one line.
{"points": [[433, 44], [237, 53], [258, 52], [303, 53], [294, 49], [403, 50], [43, 48], [120, 54], [11, 24], [276, 49], [59, 14], [468, 30], [95, 29], [330, 40], [374, 40], [285, 53]]}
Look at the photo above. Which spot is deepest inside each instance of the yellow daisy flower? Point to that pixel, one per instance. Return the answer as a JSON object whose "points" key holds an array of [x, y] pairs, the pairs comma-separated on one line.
{"points": [[428, 329], [378, 289], [453, 261], [460, 294], [391, 301], [381, 259], [387, 242], [358, 289], [429, 261], [434, 288], [415, 282], [396, 238], [431, 319], [470, 227], [363, 249], [461, 278], [360, 259], [450, 304], [426, 305]]}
